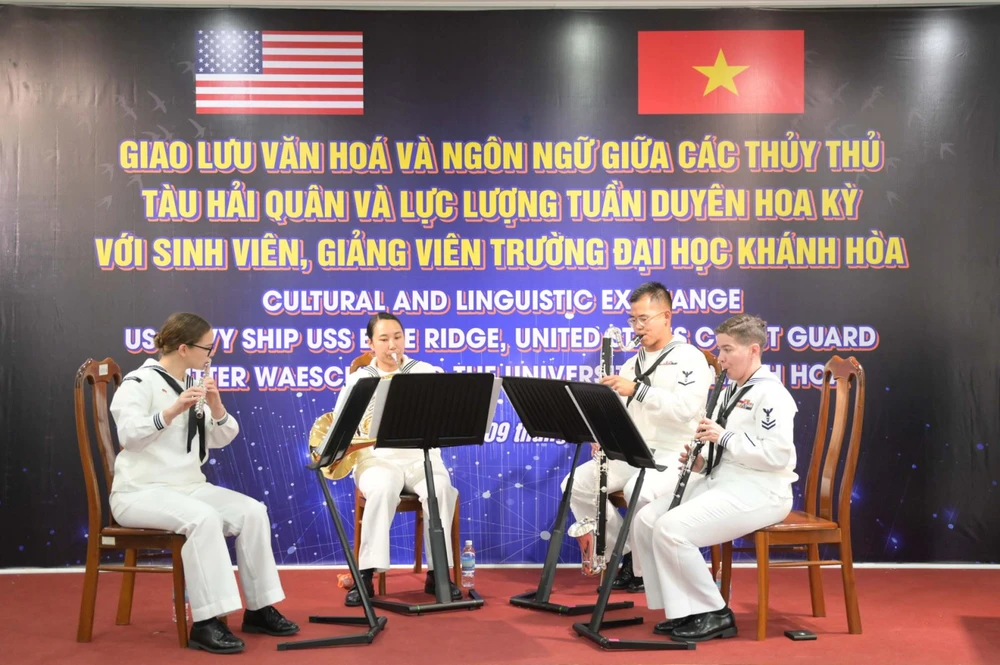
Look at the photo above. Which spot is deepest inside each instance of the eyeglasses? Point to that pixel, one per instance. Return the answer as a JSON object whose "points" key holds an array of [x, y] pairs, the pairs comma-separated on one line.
{"points": [[207, 348], [643, 320]]}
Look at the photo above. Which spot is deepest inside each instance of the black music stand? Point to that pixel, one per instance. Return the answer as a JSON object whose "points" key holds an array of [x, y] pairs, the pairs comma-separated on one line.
{"points": [[612, 427], [547, 410], [425, 411], [335, 446]]}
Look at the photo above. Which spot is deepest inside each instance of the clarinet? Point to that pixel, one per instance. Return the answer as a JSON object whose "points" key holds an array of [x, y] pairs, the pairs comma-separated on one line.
{"points": [[682, 479]]}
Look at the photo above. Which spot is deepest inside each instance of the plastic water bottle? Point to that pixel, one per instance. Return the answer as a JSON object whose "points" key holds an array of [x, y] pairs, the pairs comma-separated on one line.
{"points": [[468, 565], [173, 606]]}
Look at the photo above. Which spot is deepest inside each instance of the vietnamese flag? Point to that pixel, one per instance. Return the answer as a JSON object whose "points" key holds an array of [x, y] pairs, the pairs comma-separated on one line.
{"points": [[721, 71]]}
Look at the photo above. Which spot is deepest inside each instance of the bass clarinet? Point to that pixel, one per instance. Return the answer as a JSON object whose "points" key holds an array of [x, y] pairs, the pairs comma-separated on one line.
{"points": [[590, 533], [682, 479]]}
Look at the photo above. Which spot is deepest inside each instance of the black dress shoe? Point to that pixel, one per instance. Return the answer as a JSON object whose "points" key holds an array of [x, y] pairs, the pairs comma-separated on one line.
{"points": [[353, 598], [269, 621], [456, 593], [667, 627], [625, 574], [214, 636], [636, 586], [707, 626]]}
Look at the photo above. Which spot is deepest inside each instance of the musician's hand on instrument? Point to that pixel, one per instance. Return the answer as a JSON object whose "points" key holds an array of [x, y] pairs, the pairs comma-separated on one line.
{"points": [[184, 402], [620, 385], [708, 430], [213, 399], [699, 462], [594, 449]]}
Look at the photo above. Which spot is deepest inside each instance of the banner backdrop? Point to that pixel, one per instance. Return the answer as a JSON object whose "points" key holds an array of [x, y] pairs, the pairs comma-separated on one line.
{"points": [[501, 181]]}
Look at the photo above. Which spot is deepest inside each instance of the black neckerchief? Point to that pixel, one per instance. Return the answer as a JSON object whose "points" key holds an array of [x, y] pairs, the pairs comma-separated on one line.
{"points": [[643, 376], [724, 412], [195, 424]]}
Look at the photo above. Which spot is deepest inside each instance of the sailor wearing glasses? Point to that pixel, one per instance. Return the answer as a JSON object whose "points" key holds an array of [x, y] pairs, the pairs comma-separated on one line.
{"points": [[664, 387], [158, 484]]}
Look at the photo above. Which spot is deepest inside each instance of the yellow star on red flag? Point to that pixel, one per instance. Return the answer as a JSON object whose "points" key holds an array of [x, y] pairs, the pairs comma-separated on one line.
{"points": [[721, 74]]}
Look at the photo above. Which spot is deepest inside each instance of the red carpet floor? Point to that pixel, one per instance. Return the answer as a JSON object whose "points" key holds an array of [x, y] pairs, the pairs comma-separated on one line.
{"points": [[911, 617]]}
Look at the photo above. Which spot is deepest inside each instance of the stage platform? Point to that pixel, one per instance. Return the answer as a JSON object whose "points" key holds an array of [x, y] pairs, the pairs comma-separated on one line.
{"points": [[910, 616]]}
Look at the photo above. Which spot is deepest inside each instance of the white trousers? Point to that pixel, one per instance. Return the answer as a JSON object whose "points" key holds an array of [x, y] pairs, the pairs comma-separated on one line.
{"points": [[621, 478], [715, 510], [206, 514], [381, 483]]}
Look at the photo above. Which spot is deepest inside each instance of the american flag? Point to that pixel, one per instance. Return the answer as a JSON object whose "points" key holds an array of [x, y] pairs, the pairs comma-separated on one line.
{"points": [[269, 72]]}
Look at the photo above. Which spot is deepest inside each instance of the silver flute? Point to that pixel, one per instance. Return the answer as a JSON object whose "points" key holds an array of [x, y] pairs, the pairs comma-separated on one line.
{"points": [[199, 407]]}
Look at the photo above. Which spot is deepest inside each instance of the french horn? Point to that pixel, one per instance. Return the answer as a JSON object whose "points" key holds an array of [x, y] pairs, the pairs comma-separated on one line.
{"points": [[340, 468]]}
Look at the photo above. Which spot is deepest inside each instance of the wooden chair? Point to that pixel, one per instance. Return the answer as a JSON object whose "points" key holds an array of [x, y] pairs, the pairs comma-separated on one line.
{"points": [[617, 499], [816, 524], [409, 503], [110, 537], [361, 361]]}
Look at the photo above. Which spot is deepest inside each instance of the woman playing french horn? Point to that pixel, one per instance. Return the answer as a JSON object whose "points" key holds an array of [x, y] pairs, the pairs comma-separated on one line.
{"points": [[382, 474]]}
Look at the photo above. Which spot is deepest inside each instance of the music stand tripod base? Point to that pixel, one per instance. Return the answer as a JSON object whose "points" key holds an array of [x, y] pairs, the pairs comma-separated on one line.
{"points": [[474, 602], [614, 430], [592, 630], [425, 411], [531, 600], [374, 623], [439, 556], [539, 598], [527, 600], [347, 640], [546, 409], [612, 643]]}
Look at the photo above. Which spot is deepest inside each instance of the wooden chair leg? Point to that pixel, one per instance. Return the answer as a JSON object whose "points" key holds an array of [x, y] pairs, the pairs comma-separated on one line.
{"points": [[727, 570], [127, 590], [762, 545], [816, 582], [716, 559], [418, 542], [381, 584], [456, 544], [850, 589], [179, 604], [85, 628]]}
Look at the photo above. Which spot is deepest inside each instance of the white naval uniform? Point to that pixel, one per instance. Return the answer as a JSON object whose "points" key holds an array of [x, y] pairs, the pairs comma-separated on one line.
{"points": [[666, 413], [158, 484], [749, 489], [381, 474]]}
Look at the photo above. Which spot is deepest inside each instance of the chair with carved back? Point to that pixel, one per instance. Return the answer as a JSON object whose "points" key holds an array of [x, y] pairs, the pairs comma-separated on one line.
{"points": [[618, 498], [105, 535], [817, 524], [408, 503]]}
